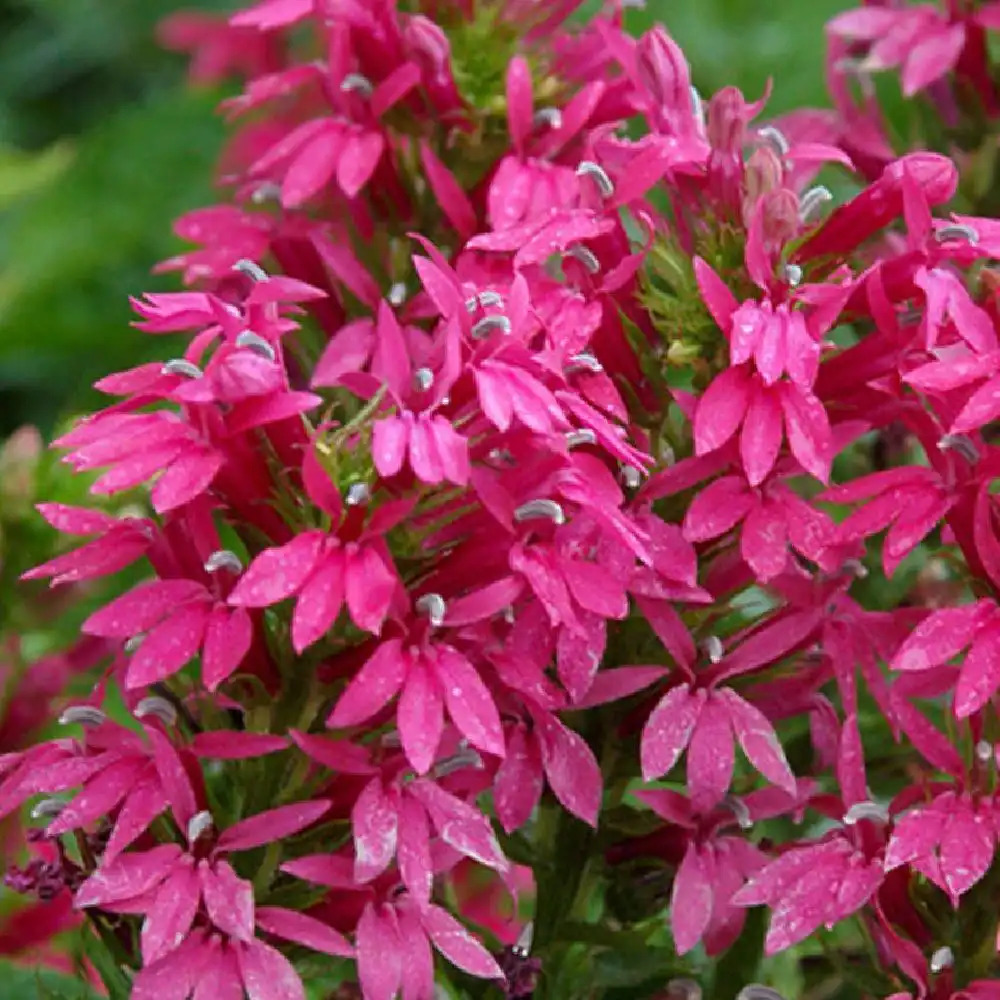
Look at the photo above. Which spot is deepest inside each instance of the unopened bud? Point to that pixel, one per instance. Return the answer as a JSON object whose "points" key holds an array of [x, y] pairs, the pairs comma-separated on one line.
{"points": [[181, 366], [780, 215], [714, 649], [597, 173], [535, 510], [943, 958], [727, 120], [357, 83], [250, 269], [962, 444], [358, 493], [663, 70], [158, 707], [223, 559], [256, 343], [866, 810], [764, 174], [199, 825], [574, 439], [433, 607], [586, 257], [549, 117], [812, 201], [488, 324], [957, 231], [82, 715]]}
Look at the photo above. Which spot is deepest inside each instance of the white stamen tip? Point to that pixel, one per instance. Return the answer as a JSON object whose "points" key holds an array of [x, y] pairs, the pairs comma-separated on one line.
{"points": [[522, 947], [866, 810], [740, 811], [535, 510], [757, 991], [267, 191], [962, 444], [957, 231], [433, 607], [181, 366], [490, 298], [488, 324], [47, 808], [549, 117], [943, 958], [358, 493], [132, 643], [423, 379], [597, 173], [223, 559], [984, 751], [397, 294], [792, 274], [160, 707], [586, 257], [199, 825], [256, 343], [357, 83], [631, 477], [82, 715], [811, 202], [714, 649], [574, 439], [584, 362], [775, 138], [250, 269]]}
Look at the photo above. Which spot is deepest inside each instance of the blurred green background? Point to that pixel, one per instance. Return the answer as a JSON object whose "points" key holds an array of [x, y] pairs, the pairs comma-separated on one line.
{"points": [[102, 144]]}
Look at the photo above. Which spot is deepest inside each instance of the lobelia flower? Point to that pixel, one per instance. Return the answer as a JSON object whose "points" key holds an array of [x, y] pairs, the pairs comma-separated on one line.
{"points": [[817, 884]]}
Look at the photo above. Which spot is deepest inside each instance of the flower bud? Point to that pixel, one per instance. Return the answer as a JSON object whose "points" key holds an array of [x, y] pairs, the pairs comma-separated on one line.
{"points": [[764, 173], [726, 121], [663, 70]]}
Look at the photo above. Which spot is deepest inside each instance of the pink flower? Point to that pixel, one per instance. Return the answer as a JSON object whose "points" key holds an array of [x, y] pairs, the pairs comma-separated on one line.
{"points": [[942, 635], [394, 949], [816, 885]]}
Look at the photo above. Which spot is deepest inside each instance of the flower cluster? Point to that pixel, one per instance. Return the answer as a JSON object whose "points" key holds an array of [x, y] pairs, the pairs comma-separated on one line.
{"points": [[557, 533]]}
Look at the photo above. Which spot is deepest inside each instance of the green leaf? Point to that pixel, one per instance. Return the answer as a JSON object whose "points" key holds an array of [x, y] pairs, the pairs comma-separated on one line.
{"points": [[23, 983]]}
